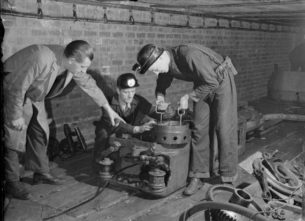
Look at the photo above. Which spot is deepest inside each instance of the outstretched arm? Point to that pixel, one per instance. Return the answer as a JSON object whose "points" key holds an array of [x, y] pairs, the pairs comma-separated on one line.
{"points": [[88, 85]]}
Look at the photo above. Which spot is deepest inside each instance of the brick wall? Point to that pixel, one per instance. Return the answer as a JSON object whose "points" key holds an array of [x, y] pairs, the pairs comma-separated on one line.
{"points": [[254, 49]]}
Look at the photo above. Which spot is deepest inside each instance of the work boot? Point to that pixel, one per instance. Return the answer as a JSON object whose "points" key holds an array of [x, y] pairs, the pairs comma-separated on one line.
{"points": [[192, 187], [17, 190], [46, 178]]}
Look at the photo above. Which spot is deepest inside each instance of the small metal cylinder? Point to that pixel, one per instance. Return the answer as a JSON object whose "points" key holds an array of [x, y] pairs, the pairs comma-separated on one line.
{"points": [[156, 180], [241, 198], [105, 168]]}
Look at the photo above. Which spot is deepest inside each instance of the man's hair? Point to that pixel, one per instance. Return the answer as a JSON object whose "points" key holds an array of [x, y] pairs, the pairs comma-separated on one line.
{"points": [[79, 50]]}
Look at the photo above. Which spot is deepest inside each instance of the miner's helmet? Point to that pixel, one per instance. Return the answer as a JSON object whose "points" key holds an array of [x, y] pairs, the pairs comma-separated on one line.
{"points": [[148, 55], [127, 80]]}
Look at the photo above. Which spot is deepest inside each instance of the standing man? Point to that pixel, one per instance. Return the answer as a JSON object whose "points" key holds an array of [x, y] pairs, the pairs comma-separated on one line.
{"points": [[215, 105], [136, 111], [33, 74]]}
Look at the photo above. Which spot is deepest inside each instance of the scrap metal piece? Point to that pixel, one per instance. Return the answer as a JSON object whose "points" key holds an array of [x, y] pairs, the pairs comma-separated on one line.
{"points": [[231, 195], [210, 205], [260, 174], [226, 215]]}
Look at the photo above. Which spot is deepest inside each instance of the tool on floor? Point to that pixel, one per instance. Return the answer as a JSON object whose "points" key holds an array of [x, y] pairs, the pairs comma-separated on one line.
{"points": [[260, 174], [73, 143]]}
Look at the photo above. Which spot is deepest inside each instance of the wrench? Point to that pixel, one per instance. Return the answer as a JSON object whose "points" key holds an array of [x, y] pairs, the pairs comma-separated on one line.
{"points": [[260, 174]]}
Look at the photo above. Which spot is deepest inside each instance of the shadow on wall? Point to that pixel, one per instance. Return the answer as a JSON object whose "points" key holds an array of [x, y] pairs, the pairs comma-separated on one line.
{"points": [[48, 104], [104, 82], [107, 85], [297, 57]]}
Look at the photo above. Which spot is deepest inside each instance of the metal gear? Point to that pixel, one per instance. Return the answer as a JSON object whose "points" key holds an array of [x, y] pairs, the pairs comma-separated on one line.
{"points": [[219, 207], [225, 215], [229, 194]]}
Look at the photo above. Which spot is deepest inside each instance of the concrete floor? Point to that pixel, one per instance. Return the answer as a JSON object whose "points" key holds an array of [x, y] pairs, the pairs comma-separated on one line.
{"points": [[115, 204]]}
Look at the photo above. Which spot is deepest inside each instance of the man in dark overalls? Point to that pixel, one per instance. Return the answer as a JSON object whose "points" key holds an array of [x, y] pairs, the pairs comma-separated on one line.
{"points": [[33, 74], [215, 105], [139, 114]]}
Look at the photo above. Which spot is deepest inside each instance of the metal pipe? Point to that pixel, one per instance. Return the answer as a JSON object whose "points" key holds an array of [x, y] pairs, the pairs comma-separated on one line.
{"points": [[142, 8], [292, 117], [32, 15]]}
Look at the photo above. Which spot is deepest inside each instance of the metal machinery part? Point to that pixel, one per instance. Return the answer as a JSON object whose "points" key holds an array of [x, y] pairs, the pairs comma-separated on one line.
{"points": [[234, 208], [162, 164], [281, 182], [73, 143], [171, 132], [237, 197]]}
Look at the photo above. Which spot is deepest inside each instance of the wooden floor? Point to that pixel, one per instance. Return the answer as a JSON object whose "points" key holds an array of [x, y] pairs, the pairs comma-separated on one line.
{"points": [[122, 205]]}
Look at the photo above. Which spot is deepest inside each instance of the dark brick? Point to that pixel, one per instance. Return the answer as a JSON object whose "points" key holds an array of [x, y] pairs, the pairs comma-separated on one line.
{"points": [[105, 34], [141, 35], [151, 35], [117, 62], [130, 35], [130, 48], [90, 33], [117, 34]]}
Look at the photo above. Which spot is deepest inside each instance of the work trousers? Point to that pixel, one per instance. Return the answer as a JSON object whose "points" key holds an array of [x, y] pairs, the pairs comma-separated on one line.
{"points": [[35, 155], [101, 141], [214, 137]]}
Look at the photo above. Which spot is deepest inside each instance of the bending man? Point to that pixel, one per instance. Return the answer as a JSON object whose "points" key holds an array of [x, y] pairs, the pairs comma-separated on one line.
{"points": [[215, 104], [33, 74]]}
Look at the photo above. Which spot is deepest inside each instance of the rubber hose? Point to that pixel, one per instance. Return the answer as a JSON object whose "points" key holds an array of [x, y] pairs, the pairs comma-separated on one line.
{"points": [[254, 215]]}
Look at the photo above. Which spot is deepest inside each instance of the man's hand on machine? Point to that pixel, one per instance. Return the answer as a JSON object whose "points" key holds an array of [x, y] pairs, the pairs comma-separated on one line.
{"points": [[161, 104], [114, 117], [193, 96], [18, 124], [145, 127]]}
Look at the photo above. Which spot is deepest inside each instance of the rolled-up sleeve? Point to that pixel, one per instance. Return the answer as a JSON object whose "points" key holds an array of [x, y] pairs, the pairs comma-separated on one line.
{"points": [[88, 85], [163, 82]]}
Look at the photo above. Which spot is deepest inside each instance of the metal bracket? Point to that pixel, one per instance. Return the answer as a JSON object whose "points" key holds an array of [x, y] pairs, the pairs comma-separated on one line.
{"points": [[74, 12], [152, 17], [39, 9], [131, 19], [105, 18]]}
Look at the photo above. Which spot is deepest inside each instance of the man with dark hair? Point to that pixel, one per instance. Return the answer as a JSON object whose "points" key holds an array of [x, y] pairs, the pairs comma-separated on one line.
{"points": [[33, 74], [137, 112], [215, 105]]}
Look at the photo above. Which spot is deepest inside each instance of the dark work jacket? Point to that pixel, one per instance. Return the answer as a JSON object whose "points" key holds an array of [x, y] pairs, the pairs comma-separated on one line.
{"points": [[190, 63], [139, 113]]}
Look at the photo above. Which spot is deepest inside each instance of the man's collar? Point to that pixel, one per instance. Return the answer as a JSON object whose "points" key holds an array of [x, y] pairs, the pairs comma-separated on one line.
{"points": [[115, 100]]}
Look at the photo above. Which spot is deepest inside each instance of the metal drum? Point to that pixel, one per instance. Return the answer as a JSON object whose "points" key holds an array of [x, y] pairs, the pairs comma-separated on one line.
{"points": [[171, 132]]}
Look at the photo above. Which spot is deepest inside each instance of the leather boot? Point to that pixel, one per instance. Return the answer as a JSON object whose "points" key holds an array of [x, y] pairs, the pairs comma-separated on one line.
{"points": [[46, 178], [17, 190], [192, 187]]}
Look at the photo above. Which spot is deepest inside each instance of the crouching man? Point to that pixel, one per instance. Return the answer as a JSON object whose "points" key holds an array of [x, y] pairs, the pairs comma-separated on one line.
{"points": [[134, 109]]}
